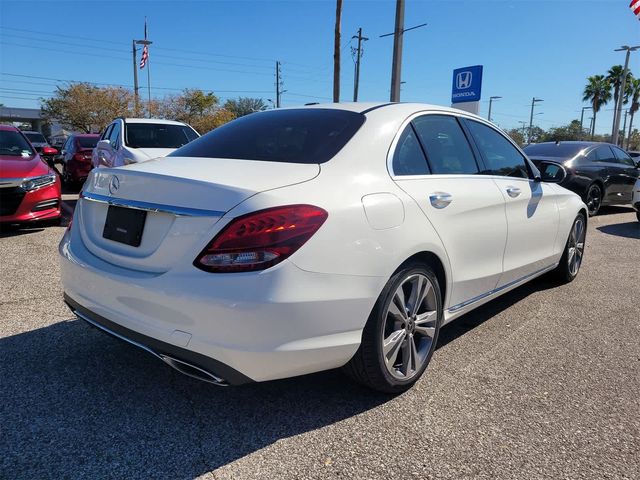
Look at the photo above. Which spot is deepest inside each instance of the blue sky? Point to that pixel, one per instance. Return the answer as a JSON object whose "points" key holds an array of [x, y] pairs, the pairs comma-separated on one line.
{"points": [[528, 48]]}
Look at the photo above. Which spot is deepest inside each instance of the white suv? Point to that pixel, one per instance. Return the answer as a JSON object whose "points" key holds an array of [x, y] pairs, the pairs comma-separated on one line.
{"points": [[132, 140]]}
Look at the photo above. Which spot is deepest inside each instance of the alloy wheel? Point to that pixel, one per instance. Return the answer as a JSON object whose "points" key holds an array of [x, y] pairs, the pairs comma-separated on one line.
{"points": [[594, 198], [410, 327], [576, 246]]}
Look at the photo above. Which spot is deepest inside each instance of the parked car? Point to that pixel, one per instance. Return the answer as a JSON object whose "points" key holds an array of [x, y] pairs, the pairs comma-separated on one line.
{"points": [[633, 154], [601, 173], [636, 198], [29, 188], [76, 157], [297, 240], [46, 151], [132, 140]]}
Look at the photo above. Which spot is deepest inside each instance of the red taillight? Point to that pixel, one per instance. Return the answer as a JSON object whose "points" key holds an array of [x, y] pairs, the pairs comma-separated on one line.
{"points": [[81, 157], [261, 239]]}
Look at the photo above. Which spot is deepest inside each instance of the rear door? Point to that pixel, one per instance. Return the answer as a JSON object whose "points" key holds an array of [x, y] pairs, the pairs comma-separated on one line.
{"points": [[101, 152], [531, 207], [434, 163], [613, 173]]}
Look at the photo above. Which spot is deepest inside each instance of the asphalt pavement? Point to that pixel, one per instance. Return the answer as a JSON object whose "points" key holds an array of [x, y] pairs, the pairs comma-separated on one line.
{"points": [[541, 383]]}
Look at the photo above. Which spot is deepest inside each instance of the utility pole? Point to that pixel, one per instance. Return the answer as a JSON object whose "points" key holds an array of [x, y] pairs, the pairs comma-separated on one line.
{"points": [[356, 81], [582, 119], [534, 100], [278, 84], [624, 128], [396, 66], [524, 126], [592, 127], [491, 99], [618, 107], [398, 36], [336, 53], [135, 78]]}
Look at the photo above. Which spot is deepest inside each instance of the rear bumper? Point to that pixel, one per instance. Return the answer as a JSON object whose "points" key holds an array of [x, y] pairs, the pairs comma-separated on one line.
{"points": [[242, 327]]}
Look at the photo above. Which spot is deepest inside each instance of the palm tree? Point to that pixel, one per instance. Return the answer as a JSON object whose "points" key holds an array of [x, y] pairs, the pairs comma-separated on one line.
{"points": [[598, 92], [614, 76], [634, 87]]}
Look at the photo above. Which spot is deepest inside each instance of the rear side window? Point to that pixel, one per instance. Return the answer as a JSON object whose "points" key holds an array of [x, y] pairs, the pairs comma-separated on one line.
{"points": [[446, 146], [500, 156], [312, 135], [601, 154], [623, 157], [408, 158]]}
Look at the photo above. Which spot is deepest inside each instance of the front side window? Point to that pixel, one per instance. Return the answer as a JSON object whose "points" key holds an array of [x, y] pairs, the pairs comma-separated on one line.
{"points": [[106, 133], [446, 146], [157, 135], [114, 135], [305, 135], [408, 158], [14, 144], [87, 142], [500, 156]]}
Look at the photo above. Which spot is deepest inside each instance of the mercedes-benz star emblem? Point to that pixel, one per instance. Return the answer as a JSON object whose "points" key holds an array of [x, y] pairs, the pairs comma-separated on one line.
{"points": [[114, 185]]}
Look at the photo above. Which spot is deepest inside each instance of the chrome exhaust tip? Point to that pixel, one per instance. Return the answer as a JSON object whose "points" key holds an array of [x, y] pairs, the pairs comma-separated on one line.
{"points": [[192, 371]]}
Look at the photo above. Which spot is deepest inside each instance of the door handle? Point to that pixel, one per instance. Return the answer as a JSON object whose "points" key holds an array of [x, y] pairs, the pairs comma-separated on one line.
{"points": [[440, 199], [513, 192]]}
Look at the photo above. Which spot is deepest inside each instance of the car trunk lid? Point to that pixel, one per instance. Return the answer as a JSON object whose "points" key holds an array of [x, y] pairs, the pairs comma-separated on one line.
{"points": [[183, 199]]}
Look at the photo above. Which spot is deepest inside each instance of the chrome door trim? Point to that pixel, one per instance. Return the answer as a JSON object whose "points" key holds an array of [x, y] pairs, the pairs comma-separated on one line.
{"points": [[151, 207], [466, 303]]}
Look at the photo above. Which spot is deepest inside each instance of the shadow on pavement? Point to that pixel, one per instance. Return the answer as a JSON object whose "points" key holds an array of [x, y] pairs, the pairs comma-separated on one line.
{"points": [[76, 403], [16, 230], [615, 210], [627, 229], [476, 317]]}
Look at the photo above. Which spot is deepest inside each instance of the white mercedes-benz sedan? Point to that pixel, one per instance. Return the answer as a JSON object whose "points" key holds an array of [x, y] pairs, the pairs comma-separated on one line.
{"points": [[297, 240]]}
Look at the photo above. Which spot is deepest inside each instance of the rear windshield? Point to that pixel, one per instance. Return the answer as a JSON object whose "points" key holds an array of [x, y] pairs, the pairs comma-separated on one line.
{"points": [[560, 150], [36, 137], [157, 135], [311, 135], [88, 142], [13, 144]]}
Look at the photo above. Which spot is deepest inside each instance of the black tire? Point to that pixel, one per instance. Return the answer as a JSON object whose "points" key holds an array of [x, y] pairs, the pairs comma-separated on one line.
{"points": [[593, 199], [368, 365], [564, 271]]}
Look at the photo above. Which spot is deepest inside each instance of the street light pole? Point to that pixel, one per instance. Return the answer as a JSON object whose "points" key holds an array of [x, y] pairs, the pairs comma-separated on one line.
{"points": [[618, 107], [582, 119], [396, 67], [534, 100], [491, 99]]}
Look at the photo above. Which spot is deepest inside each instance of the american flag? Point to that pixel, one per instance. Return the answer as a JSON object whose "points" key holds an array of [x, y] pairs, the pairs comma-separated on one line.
{"points": [[145, 55], [635, 8]]}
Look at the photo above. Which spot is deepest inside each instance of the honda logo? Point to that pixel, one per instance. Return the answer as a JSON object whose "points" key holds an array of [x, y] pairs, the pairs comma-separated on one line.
{"points": [[463, 80]]}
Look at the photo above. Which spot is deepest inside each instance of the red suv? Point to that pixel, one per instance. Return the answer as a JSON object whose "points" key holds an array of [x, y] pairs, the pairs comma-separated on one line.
{"points": [[76, 157], [29, 188]]}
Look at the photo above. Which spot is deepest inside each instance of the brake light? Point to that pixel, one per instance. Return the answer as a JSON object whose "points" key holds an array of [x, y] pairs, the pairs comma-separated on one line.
{"points": [[80, 157], [261, 239]]}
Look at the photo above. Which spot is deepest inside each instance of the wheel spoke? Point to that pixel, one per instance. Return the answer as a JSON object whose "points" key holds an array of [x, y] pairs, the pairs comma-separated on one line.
{"points": [[419, 290], [396, 312], [572, 254], [398, 300], [392, 345], [407, 356]]}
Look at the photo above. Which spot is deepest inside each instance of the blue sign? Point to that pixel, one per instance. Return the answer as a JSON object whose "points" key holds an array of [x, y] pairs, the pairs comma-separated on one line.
{"points": [[467, 84]]}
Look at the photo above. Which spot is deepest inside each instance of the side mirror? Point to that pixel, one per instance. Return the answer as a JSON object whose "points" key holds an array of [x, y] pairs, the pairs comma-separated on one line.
{"points": [[104, 144], [551, 172], [49, 151]]}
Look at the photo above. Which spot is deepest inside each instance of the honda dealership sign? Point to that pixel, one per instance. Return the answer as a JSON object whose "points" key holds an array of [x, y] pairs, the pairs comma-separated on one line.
{"points": [[467, 88]]}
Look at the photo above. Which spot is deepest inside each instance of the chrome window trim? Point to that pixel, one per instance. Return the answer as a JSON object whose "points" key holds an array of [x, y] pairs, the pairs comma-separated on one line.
{"points": [[151, 207], [461, 114]]}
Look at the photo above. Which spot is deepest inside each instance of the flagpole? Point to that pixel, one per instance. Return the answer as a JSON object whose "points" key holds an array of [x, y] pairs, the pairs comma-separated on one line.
{"points": [[148, 70]]}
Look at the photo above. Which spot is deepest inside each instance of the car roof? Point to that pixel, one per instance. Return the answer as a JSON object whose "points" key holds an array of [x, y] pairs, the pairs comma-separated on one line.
{"points": [[161, 121], [577, 143], [85, 135], [366, 107], [9, 128]]}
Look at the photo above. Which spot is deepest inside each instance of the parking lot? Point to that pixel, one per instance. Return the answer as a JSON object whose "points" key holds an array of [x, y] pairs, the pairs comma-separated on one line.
{"points": [[542, 383]]}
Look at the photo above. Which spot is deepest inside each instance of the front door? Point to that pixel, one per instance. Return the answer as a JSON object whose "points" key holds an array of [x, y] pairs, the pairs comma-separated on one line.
{"points": [[531, 208]]}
